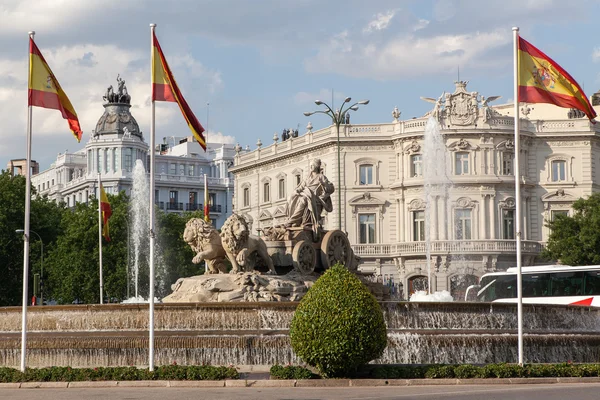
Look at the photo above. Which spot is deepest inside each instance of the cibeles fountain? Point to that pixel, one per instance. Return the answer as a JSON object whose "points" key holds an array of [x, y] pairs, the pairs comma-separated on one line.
{"points": [[299, 249], [243, 317]]}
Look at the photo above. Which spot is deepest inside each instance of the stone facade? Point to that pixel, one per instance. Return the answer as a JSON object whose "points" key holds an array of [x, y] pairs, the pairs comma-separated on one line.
{"points": [[471, 225]]}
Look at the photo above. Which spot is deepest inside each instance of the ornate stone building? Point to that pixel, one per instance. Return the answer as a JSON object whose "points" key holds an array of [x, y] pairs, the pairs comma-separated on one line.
{"points": [[113, 149], [466, 212]]}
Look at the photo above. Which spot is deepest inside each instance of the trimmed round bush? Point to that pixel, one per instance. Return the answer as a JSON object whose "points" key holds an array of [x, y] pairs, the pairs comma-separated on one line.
{"points": [[338, 325]]}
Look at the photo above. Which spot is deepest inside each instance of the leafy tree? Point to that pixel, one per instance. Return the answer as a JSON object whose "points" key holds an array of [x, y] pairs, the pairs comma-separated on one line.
{"points": [[338, 326], [45, 216], [576, 240], [74, 262]]}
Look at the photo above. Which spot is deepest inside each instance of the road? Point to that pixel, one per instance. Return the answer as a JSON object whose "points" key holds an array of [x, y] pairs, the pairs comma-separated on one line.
{"points": [[579, 391]]}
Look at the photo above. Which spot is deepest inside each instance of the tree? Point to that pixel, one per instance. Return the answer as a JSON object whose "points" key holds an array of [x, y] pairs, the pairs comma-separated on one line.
{"points": [[338, 325], [576, 240], [45, 216]]}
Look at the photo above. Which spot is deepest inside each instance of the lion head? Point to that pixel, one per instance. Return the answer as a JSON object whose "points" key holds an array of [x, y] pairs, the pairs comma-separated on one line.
{"points": [[199, 232], [235, 233]]}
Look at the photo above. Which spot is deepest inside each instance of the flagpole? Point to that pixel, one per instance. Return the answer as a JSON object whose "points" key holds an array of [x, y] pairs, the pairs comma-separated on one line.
{"points": [[207, 111], [152, 145], [26, 227], [100, 237], [518, 197]]}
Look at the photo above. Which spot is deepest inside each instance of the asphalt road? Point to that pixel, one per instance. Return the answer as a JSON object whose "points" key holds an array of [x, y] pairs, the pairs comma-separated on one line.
{"points": [[578, 391]]}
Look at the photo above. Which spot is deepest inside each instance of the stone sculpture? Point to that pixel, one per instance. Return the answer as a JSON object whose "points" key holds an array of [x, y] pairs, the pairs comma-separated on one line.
{"points": [[205, 241], [312, 196], [241, 247]]}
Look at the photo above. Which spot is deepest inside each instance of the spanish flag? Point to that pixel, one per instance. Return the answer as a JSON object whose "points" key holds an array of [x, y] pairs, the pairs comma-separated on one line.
{"points": [[542, 80], [106, 212], [45, 91], [164, 88]]}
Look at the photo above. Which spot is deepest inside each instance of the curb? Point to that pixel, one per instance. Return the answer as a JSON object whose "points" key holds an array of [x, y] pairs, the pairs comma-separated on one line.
{"points": [[266, 383]]}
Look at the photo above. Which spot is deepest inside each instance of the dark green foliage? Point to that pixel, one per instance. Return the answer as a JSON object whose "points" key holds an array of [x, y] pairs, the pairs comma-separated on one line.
{"points": [[291, 372], [576, 240], [68, 374], [440, 371], [338, 326], [466, 371]]}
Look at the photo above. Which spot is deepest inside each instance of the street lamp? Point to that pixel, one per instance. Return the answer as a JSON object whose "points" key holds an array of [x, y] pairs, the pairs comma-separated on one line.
{"points": [[42, 263], [337, 118]]}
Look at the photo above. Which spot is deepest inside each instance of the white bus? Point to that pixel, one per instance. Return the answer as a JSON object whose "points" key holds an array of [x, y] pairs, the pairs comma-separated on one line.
{"points": [[548, 284]]}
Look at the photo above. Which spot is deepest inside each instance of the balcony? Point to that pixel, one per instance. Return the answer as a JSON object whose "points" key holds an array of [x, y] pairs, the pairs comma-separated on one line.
{"points": [[172, 206], [445, 247]]}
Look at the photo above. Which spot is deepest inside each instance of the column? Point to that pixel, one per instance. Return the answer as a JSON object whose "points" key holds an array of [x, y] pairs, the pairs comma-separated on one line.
{"points": [[444, 218], [483, 224], [436, 226], [492, 217], [524, 228]]}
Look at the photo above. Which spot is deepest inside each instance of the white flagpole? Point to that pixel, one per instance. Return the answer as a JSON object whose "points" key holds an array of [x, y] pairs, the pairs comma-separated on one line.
{"points": [[100, 236], [26, 229], [152, 146], [518, 197]]}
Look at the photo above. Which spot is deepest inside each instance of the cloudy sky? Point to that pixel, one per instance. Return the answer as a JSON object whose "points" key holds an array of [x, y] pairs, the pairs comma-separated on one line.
{"points": [[262, 63]]}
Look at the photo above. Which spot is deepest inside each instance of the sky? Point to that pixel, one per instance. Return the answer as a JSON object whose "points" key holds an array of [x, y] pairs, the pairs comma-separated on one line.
{"points": [[250, 68]]}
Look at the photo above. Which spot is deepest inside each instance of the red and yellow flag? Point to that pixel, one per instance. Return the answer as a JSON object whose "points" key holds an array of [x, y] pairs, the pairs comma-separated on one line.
{"points": [[542, 80], [106, 212], [45, 91], [164, 88]]}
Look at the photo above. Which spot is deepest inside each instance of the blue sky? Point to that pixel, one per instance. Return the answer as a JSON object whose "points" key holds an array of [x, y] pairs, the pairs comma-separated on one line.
{"points": [[262, 63]]}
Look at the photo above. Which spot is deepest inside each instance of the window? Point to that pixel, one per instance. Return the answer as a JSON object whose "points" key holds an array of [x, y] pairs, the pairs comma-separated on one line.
{"points": [[108, 160], [116, 160], [52, 182], [555, 213], [281, 186], [182, 169], [246, 197], [212, 199], [191, 170], [462, 224], [173, 169], [100, 161], [266, 192], [418, 226], [461, 163], [193, 200], [127, 159], [298, 179], [367, 228], [173, 194], [366, 174], [508, 224], [559, 168], [507, 164], [416, 165]]}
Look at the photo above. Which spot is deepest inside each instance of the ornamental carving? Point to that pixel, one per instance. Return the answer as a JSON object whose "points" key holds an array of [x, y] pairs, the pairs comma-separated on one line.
{"points": [[414, 147], [465, 202], [416, 204], [508, 203]]}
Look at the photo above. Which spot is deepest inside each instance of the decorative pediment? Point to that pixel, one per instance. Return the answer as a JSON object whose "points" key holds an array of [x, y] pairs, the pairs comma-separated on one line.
{"points": [[280, 212], [413, 147], [297, 171], [280, 175], [265, 215], [559, 196], [508, 203], [465, 202], [507, 145], [462, 145], [416, 204], [366, 199]]}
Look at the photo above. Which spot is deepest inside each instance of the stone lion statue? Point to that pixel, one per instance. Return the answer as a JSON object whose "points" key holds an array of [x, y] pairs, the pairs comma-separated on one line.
{"points": [[240, 245], [205, 241]]}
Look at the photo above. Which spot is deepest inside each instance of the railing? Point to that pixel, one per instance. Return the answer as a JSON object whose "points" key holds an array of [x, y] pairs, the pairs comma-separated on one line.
{"points": [[175, 206], [443, 247], [194, 179]]}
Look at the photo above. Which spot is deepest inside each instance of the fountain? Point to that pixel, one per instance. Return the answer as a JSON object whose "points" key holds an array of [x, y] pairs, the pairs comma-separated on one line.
{"points": [[139, 223]]}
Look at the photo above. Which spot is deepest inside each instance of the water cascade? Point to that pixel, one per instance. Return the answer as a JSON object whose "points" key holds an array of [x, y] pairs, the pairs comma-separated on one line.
{"points": [[139, 217]]}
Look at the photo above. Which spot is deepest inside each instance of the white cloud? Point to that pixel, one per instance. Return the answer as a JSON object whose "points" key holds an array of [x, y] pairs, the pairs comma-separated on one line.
{"points": [[596, 54], [219, 137], [380, 22], [420, 24], [407, 55]]}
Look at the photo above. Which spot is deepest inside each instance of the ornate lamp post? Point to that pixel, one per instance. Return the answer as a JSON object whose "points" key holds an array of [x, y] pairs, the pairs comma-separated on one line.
{"points": [[338, 117], [42, 264]]}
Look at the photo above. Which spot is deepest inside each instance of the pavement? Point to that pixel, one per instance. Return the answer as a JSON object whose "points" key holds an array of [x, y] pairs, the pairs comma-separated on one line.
{"points": [[251, 381]]}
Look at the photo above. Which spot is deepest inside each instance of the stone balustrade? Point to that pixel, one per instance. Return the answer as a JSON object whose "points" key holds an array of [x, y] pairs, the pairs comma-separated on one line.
{"points": [[443, 247]]}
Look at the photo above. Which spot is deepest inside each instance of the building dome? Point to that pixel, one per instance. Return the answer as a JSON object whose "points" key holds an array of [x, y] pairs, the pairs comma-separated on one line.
{"points": [[117, 119]]}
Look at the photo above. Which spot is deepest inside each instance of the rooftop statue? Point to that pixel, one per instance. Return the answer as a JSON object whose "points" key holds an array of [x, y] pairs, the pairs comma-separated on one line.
{"points": [[312, 196], [121, 96]]}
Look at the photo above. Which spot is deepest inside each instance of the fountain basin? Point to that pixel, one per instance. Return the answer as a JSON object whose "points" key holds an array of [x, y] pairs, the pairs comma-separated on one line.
{"points": [[257, 334]]}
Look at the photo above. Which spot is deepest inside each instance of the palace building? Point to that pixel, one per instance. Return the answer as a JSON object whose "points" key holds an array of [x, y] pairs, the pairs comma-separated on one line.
{"points": [[463, 216]]}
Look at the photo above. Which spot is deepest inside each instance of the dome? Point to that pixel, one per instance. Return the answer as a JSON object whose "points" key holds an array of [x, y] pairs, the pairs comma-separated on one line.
{"points": [[117, 119]]}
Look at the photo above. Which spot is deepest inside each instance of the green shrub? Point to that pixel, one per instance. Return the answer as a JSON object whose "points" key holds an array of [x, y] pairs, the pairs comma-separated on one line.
{"points": [[291, 372], [338, 326], [440, 371], [466, 371]]}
